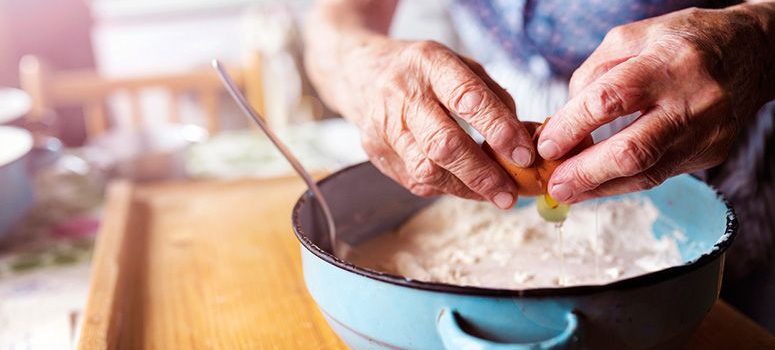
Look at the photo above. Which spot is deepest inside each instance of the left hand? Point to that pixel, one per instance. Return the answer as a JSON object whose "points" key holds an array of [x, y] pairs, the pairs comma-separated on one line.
{"points": [[694, 75]]}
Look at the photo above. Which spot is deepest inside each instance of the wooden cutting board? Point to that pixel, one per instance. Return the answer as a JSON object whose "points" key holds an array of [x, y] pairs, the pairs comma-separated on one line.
{"points": [[215, 265]]}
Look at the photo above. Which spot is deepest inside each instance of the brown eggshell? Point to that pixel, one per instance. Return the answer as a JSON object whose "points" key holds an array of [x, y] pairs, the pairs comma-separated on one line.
{"points": [[532, 181]]}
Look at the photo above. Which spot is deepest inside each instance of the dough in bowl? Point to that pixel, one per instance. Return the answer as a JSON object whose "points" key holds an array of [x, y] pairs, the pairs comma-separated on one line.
{"points": [[470, 243]]}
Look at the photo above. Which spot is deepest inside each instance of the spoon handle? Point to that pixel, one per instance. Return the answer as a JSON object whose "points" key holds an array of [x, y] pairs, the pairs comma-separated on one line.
{"points": [[231, 87]]}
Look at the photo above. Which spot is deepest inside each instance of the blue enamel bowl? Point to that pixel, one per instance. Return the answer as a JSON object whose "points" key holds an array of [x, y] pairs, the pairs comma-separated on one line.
{"points": [[16, 193], [373, 310]]}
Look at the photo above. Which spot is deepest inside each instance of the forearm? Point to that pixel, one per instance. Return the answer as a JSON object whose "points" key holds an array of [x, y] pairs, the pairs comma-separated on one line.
{"points": [[334, 30]]}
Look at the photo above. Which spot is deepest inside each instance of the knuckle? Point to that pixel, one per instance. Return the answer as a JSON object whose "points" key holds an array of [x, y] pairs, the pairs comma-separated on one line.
{"points": [[499, 132], [695, 11], [631, 157], [401, 142], [468, 98], [390, 82], [651, 179], [570, 128], [425, 172], [483, 182], [714, 93], [396, 85], [673, 120], [426, 49], [717, 92], [688, 54], [618, 33], [583, 178], [606, 101], [444, 147]]}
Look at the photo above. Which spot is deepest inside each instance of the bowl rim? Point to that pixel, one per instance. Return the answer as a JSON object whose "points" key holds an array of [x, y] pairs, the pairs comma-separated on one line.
{"points": [[650, 278]]}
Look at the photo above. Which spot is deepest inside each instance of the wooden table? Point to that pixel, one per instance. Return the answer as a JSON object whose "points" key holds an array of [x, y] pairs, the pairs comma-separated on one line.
{"points": [[215, 265]]}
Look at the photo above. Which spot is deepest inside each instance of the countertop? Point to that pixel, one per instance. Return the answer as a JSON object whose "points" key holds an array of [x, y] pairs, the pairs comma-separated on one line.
{"points": [[215, 265]]}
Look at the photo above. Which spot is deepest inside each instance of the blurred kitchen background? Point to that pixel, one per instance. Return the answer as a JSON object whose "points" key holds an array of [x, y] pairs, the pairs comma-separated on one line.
{"points": [[109, 89]]}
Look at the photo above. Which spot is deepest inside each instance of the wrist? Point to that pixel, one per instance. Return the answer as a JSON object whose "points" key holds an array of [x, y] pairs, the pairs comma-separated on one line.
{"points": [[329, 48], [763, 14]]}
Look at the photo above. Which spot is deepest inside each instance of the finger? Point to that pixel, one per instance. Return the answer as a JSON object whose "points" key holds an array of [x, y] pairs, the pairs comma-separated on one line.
{"points": [[465, 94], [428, 178], [646, 180], [619, 45], [621, 91], [447, 145], [616, 187], [692, 153], [503, 95], [590, 71], [631, 151]]}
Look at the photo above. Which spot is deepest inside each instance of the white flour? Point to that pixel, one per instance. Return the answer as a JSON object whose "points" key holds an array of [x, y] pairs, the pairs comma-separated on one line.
{"points": [[472, 243]]}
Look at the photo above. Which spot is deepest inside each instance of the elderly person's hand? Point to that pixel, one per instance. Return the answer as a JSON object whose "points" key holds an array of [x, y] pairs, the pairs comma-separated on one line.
{"points": [[693, 75], [402, 96]]}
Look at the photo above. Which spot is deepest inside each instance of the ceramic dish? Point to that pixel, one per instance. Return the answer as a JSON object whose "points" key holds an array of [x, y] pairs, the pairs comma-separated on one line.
{"points": [[373, 310]]}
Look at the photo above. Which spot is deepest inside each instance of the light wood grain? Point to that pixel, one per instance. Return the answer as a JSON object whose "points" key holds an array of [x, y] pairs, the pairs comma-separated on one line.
{"points": [[215, 265], [100, 321], [203, 266], [727, 328]]}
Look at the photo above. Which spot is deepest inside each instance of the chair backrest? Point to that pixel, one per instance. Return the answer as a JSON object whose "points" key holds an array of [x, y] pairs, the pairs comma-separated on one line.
{"points": [[88, 89]]}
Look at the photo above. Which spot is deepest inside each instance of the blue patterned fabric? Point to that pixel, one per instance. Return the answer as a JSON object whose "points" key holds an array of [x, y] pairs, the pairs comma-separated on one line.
{"points": [[563, 32]]}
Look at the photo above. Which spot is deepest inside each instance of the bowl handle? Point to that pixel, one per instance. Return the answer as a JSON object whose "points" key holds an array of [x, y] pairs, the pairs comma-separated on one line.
{"points": [[454, 337]]}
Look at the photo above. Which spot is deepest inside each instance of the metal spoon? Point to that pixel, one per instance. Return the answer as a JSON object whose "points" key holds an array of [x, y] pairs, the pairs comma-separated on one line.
{"points": [[231, 87]]}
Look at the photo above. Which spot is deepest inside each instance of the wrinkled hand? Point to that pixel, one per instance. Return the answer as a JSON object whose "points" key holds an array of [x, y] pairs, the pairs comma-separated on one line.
{"points": [[402, 95], [694, 75]]}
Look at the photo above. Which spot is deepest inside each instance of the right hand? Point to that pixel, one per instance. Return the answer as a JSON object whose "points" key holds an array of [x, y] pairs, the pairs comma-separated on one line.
{"points": [[402, 95]]}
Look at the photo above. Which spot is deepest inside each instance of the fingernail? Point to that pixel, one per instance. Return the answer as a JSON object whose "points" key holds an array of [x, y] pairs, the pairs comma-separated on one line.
{"points": [[561, 192], [549, 149], [522, 156], [503, 200]]}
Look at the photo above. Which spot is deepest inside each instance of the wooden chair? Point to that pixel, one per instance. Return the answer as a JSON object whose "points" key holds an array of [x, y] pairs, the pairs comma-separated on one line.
{"points": [[88, 89]]}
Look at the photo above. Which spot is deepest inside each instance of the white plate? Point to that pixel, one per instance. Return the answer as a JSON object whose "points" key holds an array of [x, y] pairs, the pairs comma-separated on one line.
{"points": [[14, 144], [14, 104]]}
